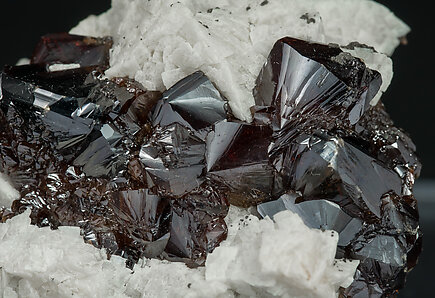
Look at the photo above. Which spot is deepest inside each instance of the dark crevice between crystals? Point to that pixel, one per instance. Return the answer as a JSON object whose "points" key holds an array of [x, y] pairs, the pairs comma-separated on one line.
{"points": [[145, 174]]}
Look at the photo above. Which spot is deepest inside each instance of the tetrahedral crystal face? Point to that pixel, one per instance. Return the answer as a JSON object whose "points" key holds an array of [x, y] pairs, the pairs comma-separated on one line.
{"points": [[146, 174]]}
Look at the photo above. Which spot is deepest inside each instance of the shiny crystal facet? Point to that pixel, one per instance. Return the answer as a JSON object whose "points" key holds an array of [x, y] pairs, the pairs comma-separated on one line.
{"points": [[320, 165], [306, 85], [194, 102], [237, 157], [174, 160], [317, 214], [197, 225], [301, 78], [28, 82]]}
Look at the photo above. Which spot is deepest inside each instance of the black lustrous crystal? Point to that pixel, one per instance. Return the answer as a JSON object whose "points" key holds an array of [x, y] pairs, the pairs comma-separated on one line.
{"points": [[146, 174], [330, 144], [193, 102]]}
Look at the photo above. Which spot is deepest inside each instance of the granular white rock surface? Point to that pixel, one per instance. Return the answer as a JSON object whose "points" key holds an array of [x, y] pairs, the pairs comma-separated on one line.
{"points": [[158, 42], [261, 258]]}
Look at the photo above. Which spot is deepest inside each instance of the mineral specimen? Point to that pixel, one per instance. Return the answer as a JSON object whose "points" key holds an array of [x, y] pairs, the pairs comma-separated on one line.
{"points": [[145, 174], [193, 102]]}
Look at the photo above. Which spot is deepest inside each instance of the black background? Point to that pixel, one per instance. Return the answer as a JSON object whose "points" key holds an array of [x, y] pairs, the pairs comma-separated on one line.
{"points": [[409, 99]]}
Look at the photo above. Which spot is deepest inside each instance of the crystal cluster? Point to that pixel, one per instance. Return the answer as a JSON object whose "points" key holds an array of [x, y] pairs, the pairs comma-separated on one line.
{"points": [[146, 174], [348, 168], [83, 151]]}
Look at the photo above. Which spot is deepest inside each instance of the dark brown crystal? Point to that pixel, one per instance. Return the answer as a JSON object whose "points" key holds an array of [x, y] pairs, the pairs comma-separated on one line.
{"points": [[237, 157], [64, 48], [197, 225], [331, 82]]}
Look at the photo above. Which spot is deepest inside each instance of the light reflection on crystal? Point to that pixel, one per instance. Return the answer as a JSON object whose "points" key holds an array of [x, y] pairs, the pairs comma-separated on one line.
{"points": [[318, 214], [194, 102], [332, 159], [174, 160], [384, 249], [298, 80]]}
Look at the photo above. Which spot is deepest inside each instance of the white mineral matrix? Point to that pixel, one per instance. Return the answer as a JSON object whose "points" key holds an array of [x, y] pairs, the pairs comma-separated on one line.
{"points": [[158, 42]]}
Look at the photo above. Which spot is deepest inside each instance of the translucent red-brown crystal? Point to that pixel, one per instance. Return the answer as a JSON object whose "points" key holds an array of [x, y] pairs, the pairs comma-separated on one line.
{"points": [[64, 48]]}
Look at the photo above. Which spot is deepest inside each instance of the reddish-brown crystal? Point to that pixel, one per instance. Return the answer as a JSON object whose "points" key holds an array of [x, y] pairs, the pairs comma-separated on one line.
{"points": [[237, 156], [64, 48], [197, 225]]}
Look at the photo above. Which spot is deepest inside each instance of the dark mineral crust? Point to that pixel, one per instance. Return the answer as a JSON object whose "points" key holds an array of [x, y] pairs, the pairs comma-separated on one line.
{"points": [[146, 174]]}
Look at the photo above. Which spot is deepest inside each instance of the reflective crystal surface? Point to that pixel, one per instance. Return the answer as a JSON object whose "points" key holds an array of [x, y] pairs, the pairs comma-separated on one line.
{"points": [[237, 157], [317, 214], [174, 160], [194, 102], [197, 225], [328, 81], [321, 165], [351, 169]]}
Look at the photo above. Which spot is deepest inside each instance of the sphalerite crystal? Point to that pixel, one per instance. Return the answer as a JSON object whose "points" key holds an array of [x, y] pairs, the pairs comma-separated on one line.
{"points": [[347, 166], [146, 174], [64, 48]]}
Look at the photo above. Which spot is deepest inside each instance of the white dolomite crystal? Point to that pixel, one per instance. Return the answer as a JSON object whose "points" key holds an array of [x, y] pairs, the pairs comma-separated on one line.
{"points": [[159, 42], [60, 67], [7, 192], [272, 259]]}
